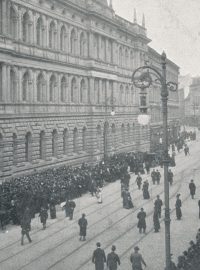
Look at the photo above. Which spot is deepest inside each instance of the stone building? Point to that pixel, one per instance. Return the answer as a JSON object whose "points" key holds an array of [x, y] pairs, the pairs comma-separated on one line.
{"points": [[65, 65]]}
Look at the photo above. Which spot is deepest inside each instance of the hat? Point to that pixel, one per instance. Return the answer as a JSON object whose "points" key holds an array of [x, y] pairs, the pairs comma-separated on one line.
{"points": [[142, 209], [83, 215], [113, 248], [98, 244], [136, 248], [178, 195]]}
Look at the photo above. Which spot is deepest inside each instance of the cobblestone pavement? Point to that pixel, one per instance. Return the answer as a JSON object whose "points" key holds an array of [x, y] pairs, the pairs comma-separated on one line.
{"points": [[59, 248]]}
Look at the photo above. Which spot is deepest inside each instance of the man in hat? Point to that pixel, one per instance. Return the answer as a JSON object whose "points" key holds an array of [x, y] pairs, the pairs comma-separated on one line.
{"points": [[139, 181], [141, 221], [113, 259], [158, 205], [99, 257], [137, 260], [192, 188], [26, 225], [178, 207], [83, 227]]}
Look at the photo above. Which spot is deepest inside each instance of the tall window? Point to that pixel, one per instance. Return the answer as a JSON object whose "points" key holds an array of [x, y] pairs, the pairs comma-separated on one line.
{"points": [[120, 57], [96, 91], [52, 87], [110, 51], [73, 40], [84, 139], [103, 48], [83, 92], [73, 90], [75, 140], [1, 152], [25, 86], [40, 32], [40, 88], [28, 147], [15, 149], [63, 39], [96, 46], [13, 23], [54, 143], [42, 145], [26, 28], [52, 36], [99, 137], [13, 86], [82, 45], [103, 90], [63, 93], [65, 141], [126, 59]]}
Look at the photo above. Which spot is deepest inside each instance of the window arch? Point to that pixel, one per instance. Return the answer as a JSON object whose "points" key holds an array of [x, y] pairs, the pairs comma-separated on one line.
{"points": [[63, 93], [54, 143], [63, 38], [13, 86], [73, 90], [1, 151], [83, 92], [65, 141], [40, 32], [73, 40], [83, 45], [13, 22], [84, 139], [120, 57], [42, 145], [26, 28], [52, 87], [75, 140], [15, 159], [28, 147], [52, 36], [40, 88], [25, 86]]}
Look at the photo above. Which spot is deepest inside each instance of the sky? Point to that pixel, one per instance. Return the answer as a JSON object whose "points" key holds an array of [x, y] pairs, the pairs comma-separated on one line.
{"points": [[172, 25]]}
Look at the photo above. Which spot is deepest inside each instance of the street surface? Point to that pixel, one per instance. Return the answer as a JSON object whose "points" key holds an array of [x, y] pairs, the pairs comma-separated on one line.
{"points": [[58, 247]]}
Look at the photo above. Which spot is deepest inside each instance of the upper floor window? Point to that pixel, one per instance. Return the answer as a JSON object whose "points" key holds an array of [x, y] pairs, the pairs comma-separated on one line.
{"points": [[25, 86], [63, 39], [73, 40], [83, 92], [126, 58], [120, 56], [40, 32], [13, 23], [26, 28], [103, 48], [52, 36], [73, 90], [40, 87], [52, 87], [96, 46], [63, 89], [83, 45], [13, 86]]}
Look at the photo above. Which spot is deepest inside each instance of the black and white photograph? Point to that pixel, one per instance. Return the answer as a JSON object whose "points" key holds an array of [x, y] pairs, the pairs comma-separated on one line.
{"points": [[99, 135]]}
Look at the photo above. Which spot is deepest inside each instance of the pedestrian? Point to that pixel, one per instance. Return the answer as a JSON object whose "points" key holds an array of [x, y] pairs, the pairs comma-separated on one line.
{"points": [[170, 177], [26, 225], [158, 205], [113, 259], [145, 190], [139, 181], [178, 207], [156, 221], [158, 177], [99, 195], [71, 207], [153, 176], [141, 221], [192, 188], [83, 227], [52, 209], [137, 260], [99, 257], [43, 216]]}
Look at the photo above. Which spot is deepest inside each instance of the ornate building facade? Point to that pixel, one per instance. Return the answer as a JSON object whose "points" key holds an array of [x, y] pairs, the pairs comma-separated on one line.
{"points": [[64, 66]]}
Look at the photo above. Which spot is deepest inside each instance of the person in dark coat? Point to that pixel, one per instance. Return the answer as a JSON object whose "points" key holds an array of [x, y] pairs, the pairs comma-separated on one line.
{"points": [[145, 190], [99, 257], [71, 207], [178, 207], [158, 177], [158, 205], [153, 176], [141, 221], [139, 181], [113, 259], [43, 216], [156, 221], [192, 188], [83, 227], [137, 260], [26, 225], [52, 209], [170, 177]]}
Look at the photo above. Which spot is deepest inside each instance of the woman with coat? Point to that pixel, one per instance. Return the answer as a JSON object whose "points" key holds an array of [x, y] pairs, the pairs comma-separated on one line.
{"points": [[178, 207]]}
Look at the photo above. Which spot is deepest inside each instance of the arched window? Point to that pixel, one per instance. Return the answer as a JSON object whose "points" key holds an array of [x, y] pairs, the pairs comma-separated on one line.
{"points": [[52, 36], [13, 86], [1, 152], [63, 93], [73, 40], [15, 158], [75, 140], [54, 143], [40, 32], [25, 86], [126, 59], [28, 147], [123, 134], [99, 137], [52, 87], [82, 45], [84, 139], [42, 145], [26, 28], [13, 23], [103, 48], [65, 141], [120, 57], [96, 91], [63, 39], [40, 88], [96, 46], [83, 92], [73, 90]]}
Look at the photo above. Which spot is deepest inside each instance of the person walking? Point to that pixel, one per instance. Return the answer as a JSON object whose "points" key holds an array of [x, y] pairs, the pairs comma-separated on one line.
{"points": [[26, 225], [99, 257], [139, 181], [113, 259], [192, 188], [170, 177], [43, 216], [153, 176], [141, 221], [158, 205], [83, 227], [158, 177], [71, 207], [178, 207], [156, 221], [137, 260]]}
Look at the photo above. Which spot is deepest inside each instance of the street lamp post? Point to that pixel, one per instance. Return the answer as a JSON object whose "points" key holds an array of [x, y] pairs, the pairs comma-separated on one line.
{"points": [[142, 78]]}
